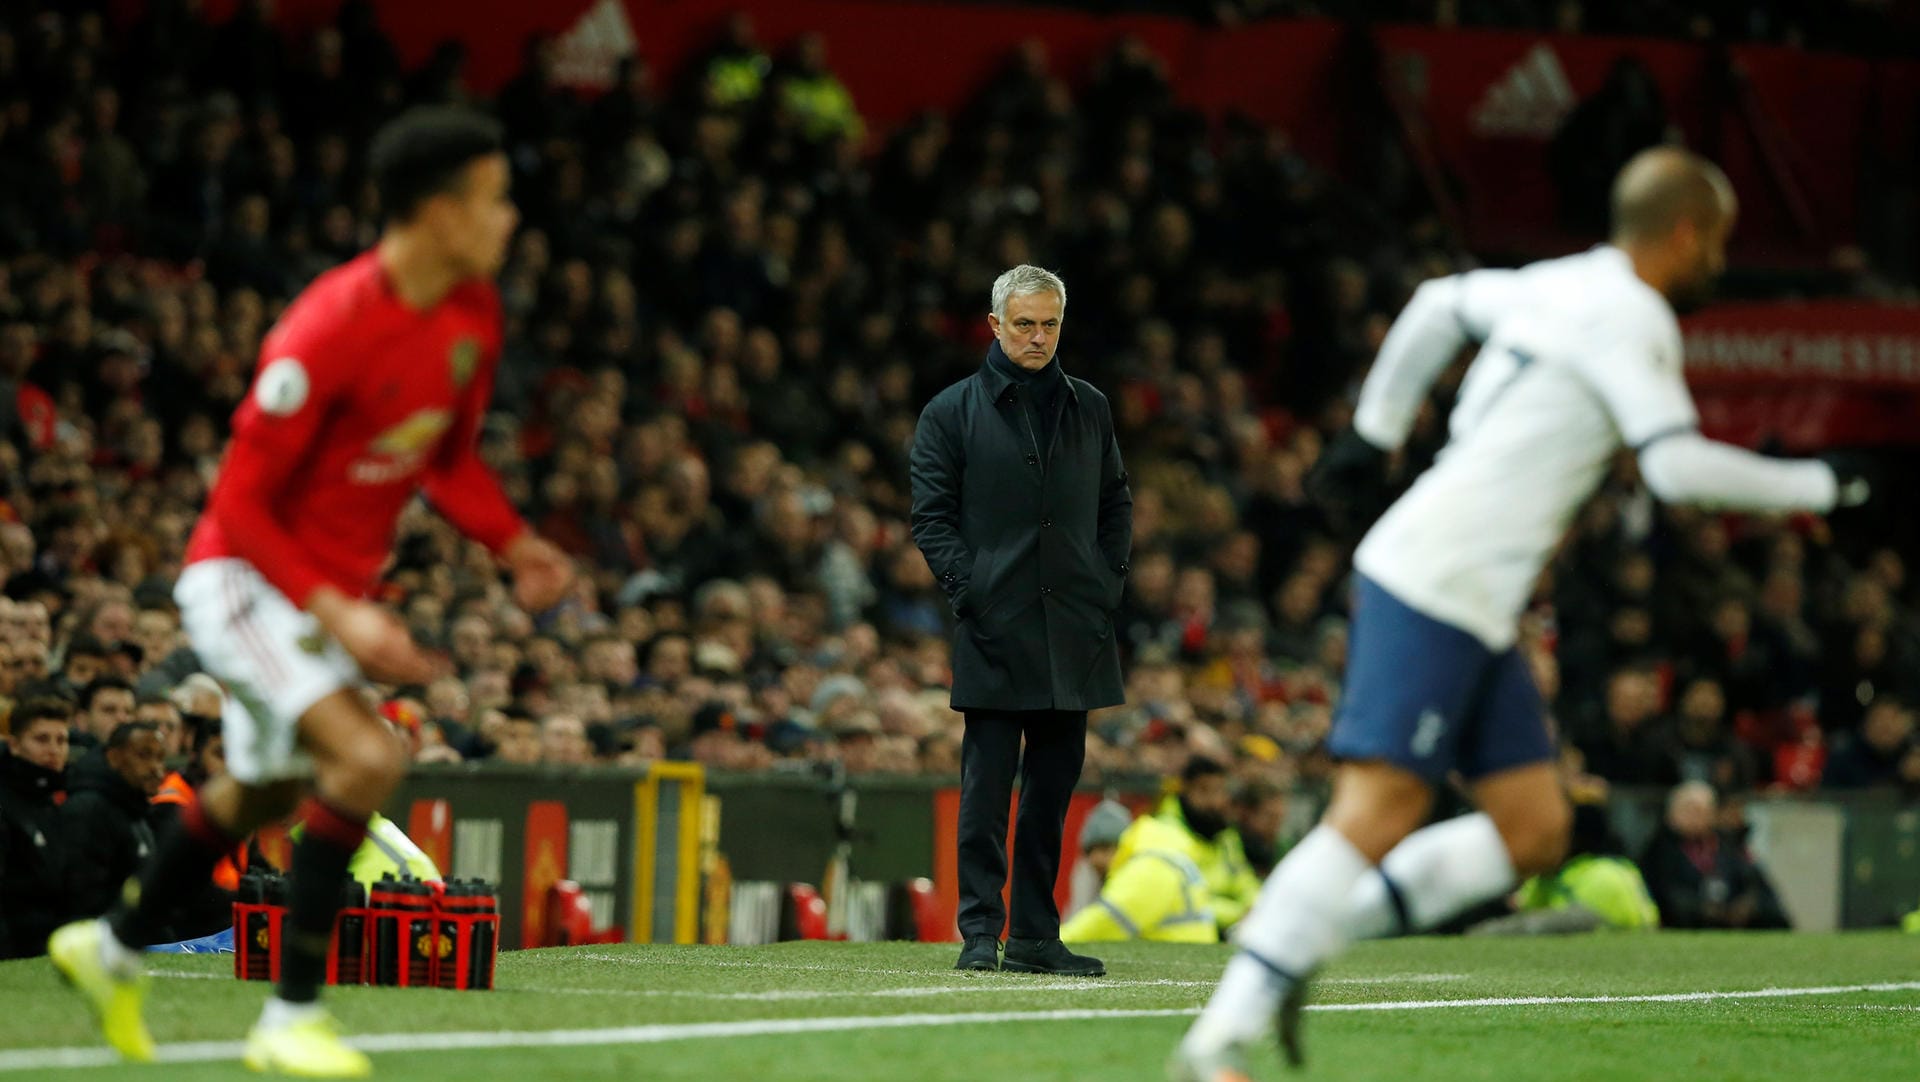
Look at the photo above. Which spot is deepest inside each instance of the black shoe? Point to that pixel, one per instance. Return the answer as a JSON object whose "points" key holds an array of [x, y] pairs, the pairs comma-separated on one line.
{"points": [[1049, 956], [980, 955]]}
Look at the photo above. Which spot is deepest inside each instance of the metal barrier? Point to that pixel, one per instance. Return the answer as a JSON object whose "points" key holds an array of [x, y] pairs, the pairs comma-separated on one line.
{"points": [[631, 839]]}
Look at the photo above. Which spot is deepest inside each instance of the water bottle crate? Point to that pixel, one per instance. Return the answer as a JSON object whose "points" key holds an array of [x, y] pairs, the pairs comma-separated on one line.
{"points": [[404, 933]]}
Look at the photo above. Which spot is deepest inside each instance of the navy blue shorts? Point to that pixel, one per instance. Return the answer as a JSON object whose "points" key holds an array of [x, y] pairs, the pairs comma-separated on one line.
{"points": [[1430, 698]]}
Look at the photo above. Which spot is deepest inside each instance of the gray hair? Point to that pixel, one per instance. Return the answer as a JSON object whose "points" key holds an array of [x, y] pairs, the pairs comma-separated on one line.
{"points": [[197, 684], [1690, 790], [1025, 280]]}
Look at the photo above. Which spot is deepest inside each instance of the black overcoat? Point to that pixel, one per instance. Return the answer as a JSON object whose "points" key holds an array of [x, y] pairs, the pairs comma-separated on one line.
{"points": [[1030, 543]]}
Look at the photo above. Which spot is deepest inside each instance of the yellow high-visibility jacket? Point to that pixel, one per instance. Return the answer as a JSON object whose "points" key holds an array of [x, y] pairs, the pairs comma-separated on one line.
{"points": [[1154, 890], [1223, 863], [1609, 886], [387, 851]]}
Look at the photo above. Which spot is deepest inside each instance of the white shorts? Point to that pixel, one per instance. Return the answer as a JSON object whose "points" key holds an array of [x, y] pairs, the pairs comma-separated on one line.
{"points": [[274, 659]]}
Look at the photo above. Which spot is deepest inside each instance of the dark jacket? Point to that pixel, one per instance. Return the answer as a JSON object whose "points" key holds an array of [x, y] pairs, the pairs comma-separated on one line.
{"points": [[108, 836], [1029, 538], [1708, 882], [1856, 764], [33, 889]]}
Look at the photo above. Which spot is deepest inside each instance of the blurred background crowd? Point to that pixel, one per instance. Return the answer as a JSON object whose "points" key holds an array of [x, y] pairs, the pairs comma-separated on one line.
{"points": [[1884, 27], [725, 309]]}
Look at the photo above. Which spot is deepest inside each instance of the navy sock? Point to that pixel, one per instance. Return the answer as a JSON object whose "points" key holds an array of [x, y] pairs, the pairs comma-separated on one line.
{"points": [[327, 844]]}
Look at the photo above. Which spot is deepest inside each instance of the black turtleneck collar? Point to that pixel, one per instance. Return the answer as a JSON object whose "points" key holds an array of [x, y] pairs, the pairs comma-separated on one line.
{"points": [[1002, 372]]}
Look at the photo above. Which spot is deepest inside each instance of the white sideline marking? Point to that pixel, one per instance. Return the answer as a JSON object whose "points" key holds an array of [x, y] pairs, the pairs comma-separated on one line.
{"points": [[1015, 986], [1003, 988], [1661, 997], [818, 967], [202, 1051], [40, 1059]]}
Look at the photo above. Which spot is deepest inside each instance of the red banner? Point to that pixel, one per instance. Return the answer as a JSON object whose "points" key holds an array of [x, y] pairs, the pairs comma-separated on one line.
{"points": [[1800, 133], [1279, 72], [546, 864], [1791, 128], [1811, 375]]}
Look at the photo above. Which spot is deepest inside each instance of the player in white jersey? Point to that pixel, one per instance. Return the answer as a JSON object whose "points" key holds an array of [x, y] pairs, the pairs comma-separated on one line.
{"points": [[1579, 358]]}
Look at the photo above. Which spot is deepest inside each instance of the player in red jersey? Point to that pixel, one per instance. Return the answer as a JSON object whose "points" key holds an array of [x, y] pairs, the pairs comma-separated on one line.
{"points": [[370, 390]]}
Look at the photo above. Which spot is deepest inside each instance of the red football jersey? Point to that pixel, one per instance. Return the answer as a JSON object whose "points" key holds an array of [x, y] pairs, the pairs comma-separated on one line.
{"points": [[359, 402]]}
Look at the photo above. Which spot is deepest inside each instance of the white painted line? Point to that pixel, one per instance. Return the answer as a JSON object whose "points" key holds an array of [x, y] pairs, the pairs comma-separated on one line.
{"points": [[1391, 978], [40, 1059], [975, 984], [1663, 997], [999, 988], [708, 962], [971, 983]]}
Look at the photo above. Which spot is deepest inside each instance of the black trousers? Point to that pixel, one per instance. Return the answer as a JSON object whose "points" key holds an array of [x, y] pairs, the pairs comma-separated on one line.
{"points": [[989, 759]]}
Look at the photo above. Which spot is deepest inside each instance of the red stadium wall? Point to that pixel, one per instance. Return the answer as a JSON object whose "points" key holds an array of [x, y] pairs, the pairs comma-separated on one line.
{"points": [[1277, 72]]}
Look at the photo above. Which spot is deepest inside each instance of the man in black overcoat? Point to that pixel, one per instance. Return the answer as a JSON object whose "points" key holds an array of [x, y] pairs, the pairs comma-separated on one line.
{"points": [[1020, 504]]}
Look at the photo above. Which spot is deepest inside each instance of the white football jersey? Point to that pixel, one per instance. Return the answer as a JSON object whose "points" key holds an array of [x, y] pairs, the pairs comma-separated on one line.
{"points": [[1579, 358]]}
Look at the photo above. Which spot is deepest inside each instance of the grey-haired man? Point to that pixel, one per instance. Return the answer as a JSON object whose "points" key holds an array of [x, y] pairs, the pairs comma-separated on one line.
{"points": [[1020, 504]]}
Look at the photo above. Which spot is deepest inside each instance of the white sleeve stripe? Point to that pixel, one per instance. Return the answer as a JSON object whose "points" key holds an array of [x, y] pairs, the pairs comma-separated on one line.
{"points": [[1665, 434]]}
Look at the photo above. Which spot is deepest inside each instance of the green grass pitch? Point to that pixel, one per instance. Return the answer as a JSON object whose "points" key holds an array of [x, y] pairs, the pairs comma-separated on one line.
{"points": [[1840, 1008]]}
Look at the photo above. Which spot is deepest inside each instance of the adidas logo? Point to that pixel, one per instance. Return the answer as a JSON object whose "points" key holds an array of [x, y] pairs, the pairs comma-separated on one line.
{"points": [[589, 53], [1529, 101]]}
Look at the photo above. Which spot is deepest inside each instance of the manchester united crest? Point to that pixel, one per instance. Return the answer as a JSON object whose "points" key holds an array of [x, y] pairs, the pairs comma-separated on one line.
{"points": [[463, 358]]}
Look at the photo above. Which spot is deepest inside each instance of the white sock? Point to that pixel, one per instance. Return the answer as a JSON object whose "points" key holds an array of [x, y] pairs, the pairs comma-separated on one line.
{"points": [[1296, 924], [119, 959], [1439, 872], [278, 1013]]}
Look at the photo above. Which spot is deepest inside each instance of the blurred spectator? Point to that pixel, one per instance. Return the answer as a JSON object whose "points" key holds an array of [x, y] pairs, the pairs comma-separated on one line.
{"points": [[33, 854], [104, 704], [83, 661], [1100, 834], [105, 822], [563, 741], [165, 717], [1259, 813], [1702, 876], [1201, 807], [1705, 743], [1632, 749], [1177, 876], [201, 702], [1882, 753], [519, 741], [211, 909]]}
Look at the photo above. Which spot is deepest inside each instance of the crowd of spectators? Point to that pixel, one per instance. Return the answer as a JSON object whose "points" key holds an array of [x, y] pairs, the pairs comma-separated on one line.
{"points": [[1883, 27], [723, 315]]}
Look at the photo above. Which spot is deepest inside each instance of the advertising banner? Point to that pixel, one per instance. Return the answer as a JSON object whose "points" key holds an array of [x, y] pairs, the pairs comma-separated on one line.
{"points": [[1810, 375]]}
